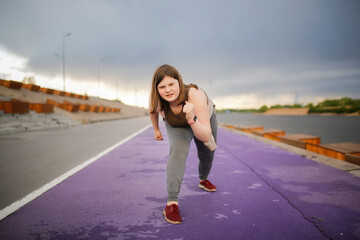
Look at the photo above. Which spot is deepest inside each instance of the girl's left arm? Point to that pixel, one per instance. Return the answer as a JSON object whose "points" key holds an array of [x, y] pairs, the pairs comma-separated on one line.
{"points": [[198, 106]]}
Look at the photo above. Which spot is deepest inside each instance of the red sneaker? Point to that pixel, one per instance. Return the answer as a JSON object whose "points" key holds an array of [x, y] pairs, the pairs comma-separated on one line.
{"points": [[207, 186], [172, 214]]}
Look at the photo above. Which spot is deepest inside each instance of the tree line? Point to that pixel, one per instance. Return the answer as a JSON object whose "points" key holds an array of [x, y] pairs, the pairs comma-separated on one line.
{"points": [[339, 106]]}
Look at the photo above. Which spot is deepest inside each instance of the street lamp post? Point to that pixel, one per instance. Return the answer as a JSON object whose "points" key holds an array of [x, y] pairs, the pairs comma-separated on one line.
{"points": [[99, 76], [117, 90], [63, 56], [63, 42], [117, 83]]}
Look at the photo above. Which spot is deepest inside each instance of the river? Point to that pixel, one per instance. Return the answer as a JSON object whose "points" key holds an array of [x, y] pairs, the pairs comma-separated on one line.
{"points": [[331, 129]]}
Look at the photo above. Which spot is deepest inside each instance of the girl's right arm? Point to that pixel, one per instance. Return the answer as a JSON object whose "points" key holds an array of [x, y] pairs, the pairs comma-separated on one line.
{"points": [[155, 122]]}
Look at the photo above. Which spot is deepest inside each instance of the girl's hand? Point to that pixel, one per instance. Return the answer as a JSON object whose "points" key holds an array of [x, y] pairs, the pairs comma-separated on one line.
{"points": [[189, 111], [158, 135]]}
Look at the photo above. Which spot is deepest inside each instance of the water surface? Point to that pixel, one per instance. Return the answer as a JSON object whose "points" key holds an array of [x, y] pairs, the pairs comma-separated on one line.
{"points": [[331, 129]]}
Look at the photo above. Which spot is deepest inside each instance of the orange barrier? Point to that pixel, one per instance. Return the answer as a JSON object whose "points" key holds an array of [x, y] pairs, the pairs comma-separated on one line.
{"points": [[11, 84], [94, 108], [47, 90], [101, 109], [250, 129], [336, 150], [349, 152], [69, 94], [273, 134], [31, 87], [300, 140], [72, 107], [272, 137], [68, 107], [85, 107], [75, 107], [229, 126], [82, 107], [41, 107], [2, 82], [14, 107], [64, 94], [52, 102], [325, 151], [353, 158], [60, 93], [18, 85]]}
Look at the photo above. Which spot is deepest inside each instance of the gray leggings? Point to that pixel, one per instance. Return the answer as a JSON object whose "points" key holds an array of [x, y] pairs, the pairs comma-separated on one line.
{"points": [[180, 139]]}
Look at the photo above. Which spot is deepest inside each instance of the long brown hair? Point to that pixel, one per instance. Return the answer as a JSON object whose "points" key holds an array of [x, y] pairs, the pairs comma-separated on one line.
{"points": [[159, 74]]}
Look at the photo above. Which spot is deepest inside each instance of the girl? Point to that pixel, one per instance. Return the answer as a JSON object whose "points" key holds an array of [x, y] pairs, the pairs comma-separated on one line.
{"points": [[188, 113]]}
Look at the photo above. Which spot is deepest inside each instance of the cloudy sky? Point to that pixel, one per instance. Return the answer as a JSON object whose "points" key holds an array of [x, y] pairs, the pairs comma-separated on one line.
{"points": [[243, 53]]}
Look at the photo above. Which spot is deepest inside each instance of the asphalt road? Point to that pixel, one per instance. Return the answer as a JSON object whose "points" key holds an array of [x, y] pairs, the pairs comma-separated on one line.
{"points": [[263, 192], [30, 160]]}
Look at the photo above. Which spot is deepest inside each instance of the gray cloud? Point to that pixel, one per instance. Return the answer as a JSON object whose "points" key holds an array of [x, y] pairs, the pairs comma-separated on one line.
{"points": [[219, 44]]}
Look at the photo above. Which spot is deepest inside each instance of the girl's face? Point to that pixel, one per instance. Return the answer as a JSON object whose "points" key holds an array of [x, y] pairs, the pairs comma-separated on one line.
{"points": [[169, 89]]}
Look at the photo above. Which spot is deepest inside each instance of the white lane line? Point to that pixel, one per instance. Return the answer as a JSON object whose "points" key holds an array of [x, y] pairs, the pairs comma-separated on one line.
{"points": [[31, 196]]}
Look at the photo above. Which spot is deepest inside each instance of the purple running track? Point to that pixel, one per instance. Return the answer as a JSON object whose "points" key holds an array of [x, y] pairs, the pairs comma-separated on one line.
{"points": [[263, 193]]}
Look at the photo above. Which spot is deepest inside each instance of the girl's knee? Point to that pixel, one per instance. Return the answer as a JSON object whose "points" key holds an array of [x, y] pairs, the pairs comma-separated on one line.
{"points": [[179, 147]]}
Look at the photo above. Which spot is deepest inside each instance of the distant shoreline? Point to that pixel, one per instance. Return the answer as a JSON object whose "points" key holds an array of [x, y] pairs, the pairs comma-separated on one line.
{"points": [[298, 112], [302, 111], [344, 106], [287, 111]]}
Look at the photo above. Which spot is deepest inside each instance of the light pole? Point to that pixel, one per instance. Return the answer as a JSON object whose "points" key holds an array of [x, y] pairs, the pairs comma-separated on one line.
{"points": [[117, 89], [99, 76], [117, 83], [63, 56]]}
